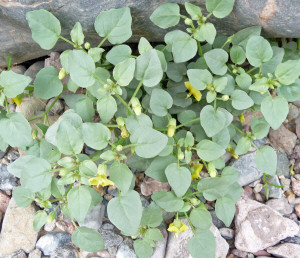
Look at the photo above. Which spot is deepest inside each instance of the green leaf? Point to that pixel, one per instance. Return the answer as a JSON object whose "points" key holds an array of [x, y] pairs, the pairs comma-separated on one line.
{"points": [[15, 129], [260, 127], [133, 122], [288, 72], [95, 135], [166, 15], [237, 55], [148, 68], [266, 160], [271, 65], [39, 220], [124, 71], [85, 108], [88, 239], [225, 209], [45, 28], [220, 83], [82, 68], [23, 196], [77, 34], [106, 107], [241, 37], [95, 53], [220, 8], [258, 51], [152, 216], [79, 200], [88, 168], [260, 85], [158, 166], [290, 92], [202, 244], [199, 78], [275, 110], [241, 100], [13, 83], [33, 172], [118, 54], [149, 142], [160, 102], [167, 201], [216, 60], [179, 178], [193, 10], [207, 32], [222, 138], [125, 212], [212, 121], [201, 218], [57, 190], [154, 234], [114, 24], [209, 150], [184, 47], [243, 146], [68, 138], [142, 248], [144, 45], [121, 175], [176, 72]]}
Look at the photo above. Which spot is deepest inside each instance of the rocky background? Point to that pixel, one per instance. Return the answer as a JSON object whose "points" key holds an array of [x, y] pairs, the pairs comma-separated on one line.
{"points": [[261, 228]]}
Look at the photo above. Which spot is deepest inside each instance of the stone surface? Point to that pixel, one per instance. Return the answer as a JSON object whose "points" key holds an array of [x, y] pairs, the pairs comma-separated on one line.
{"points": [[66, 251], [160, 249], [110, 238], [57, 108], [29, 106], [248, 170], [150, 186], [51, 241], [274, 192], [227, 233], [283, 164], [124, 251], [7, 180], [285, 250], [293, 112], [34, 69], [36, 253], [277, 18], [296, 186], [281, 205], [18, 254], [258, 226], [17, 229], [297, 210], [216, 221], [20, 69], [239, 253], [177, 246], [293, 240], [94, 217], [282, 139], [50, 226], [4, 201]]}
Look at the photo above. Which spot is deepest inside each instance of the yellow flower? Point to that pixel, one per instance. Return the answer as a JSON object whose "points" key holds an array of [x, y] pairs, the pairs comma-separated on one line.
{"points": [[177, 227], [197, 169], [231, 151], [124, 132], [196, 93], [17, 100], [171, 127], [100, 178], [242, 118]]}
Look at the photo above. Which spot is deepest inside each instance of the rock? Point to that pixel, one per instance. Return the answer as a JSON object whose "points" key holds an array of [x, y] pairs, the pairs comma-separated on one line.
{"points": [[34, 69], [296, 186], [88, 150], [50, 226], [94, 217], [57, 108], [51, 241], [293, 240], [258, 188], [258, 226], [285, 250], [4, 201], [2, 153], [297, 210], [216, 221], [239, 253], [253, 184], [293, 112], [145, 202], [248, 170], [124, 251], [110, 238], [283, 140], [18, 254], [20, 69], [290, 196], [285, 182], [17, 229], [150, 186], [66, 251], [53, 60], [296, 152], [262, 253], [283, 165], [259, 197], [297, 122], [227, 233], [177, 247], [7, 180], [259, 143], [160, 249], [29, 106], [112, 189], [281, 205], [36, 253], [274, 192]]}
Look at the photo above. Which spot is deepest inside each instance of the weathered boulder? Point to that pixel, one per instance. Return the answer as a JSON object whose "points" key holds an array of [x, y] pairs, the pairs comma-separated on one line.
{"points": [[278, 19]]}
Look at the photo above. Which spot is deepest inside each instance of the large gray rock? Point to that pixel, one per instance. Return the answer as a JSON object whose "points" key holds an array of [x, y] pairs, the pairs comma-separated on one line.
{"points": [[286, 250], [17, 230], [258, 226], [278, 19]]}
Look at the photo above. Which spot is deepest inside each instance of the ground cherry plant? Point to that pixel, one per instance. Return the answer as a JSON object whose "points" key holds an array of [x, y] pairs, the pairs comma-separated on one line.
{"points": [[171, 110]]}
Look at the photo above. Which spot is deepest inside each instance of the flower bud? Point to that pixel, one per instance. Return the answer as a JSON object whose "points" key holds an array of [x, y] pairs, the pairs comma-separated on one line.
{"points": [[242, 118], [120, 121], [124, 132], [225, 97], [63, 172], [102, 169], [87, 45], [51, 216], [180, 154], [212, 170], [171, 127], [119, 148], [34, 134], [188, 21], [62, 73], [136, 105], [195, 201]]}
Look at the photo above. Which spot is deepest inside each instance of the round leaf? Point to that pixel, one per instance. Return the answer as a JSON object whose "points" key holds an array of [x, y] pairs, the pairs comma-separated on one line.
{"points": [[216, 60], [266, 160], [160, 102], [166, 15]]}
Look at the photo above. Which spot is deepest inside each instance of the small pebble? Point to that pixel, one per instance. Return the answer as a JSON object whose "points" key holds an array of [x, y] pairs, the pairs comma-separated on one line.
{"points": [[227, 233], [36, 253], [50, 226], [258, 188], [297, 210]]}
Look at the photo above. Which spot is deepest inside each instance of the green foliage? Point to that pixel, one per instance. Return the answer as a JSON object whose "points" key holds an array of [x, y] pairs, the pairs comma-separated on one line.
{"points": [[157, 112]]}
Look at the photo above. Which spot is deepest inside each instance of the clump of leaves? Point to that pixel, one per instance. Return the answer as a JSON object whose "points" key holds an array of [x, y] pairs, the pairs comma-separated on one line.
{"points": [[168, 111]]}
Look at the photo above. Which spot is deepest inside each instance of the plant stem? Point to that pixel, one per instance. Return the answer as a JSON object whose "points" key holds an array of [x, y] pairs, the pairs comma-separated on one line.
{"points": [[188, 122], [124, 103], [136, 90], [8, 62], [70, 42], [190, 223], [102, 41], [199, 48]]}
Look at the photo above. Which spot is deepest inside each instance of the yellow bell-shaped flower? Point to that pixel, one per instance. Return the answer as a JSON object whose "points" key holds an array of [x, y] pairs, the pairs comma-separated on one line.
{"points": [[197, 169], [196, 93], [177, 227], [100, 178]]}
